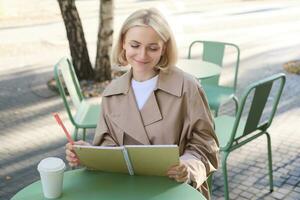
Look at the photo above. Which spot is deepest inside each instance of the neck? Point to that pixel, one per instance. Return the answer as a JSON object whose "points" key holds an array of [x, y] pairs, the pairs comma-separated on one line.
{"points": [[142, 76]]}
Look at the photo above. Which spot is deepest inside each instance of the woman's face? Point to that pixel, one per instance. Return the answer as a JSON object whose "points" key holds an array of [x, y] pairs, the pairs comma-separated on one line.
{"points": [[143, 48]]}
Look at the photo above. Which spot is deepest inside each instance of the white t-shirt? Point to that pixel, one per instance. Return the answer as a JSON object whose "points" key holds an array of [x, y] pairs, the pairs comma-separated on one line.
{"points": [[142, 90]]}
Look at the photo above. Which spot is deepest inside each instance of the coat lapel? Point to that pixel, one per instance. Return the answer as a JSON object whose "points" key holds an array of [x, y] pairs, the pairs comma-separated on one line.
{"points": [[150, 112], [130, 119], [127, 116]]}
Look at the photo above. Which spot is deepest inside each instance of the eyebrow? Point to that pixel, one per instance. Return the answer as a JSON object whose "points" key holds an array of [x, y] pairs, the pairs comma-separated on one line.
{"points": [[140, 43]]}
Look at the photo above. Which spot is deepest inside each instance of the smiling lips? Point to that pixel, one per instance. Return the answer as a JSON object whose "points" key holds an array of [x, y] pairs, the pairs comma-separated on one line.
{"points": [[141, 62]]}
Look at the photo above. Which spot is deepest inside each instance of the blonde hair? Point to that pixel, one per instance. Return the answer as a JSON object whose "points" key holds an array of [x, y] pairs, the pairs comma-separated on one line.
{"points": [[152, 18]]}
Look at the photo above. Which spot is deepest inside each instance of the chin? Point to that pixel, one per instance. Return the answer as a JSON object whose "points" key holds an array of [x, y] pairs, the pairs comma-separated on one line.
{"points": [[142, 67]]}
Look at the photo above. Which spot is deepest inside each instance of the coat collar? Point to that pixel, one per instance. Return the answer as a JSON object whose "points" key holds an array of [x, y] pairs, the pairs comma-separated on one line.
{"points": [[170, 81], [120, 85]]}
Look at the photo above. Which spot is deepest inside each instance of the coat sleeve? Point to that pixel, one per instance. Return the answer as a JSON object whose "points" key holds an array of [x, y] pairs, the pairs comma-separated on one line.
{"points": [[102, 135], [202, 147]]}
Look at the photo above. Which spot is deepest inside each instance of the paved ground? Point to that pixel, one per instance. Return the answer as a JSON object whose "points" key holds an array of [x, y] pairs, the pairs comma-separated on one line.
{"points": [[32, 39]]}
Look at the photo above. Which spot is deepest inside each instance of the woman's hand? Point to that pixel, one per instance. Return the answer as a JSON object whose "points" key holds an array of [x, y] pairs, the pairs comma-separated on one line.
{"points": [[70, 154], [179, 173]]}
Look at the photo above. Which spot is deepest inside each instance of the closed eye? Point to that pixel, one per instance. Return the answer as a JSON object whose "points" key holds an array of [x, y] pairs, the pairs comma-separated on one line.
{"points": [[153, 48], [134, 45]]}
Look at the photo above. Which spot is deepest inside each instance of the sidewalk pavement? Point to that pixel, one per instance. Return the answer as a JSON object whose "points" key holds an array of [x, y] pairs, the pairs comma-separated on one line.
{"points": [[266, 31]]}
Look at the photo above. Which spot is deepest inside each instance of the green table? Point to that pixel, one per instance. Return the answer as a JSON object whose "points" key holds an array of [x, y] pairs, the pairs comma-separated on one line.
{"points": [[199, 69], [89, 185]]}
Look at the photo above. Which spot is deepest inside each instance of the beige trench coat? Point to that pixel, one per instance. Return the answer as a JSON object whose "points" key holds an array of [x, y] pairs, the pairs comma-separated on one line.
{"points": [[175, 113]]}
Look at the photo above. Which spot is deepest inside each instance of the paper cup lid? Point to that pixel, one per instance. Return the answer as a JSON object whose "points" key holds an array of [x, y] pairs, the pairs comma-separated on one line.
{"points": [[51, 164]]}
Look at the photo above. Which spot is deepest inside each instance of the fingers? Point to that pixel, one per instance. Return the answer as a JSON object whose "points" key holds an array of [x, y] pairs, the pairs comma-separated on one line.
{"points": [[179, 173], [180, 177], [71, 156], [73, 162], [183, 177], [69, 146], [81, 142], [177, 169]]}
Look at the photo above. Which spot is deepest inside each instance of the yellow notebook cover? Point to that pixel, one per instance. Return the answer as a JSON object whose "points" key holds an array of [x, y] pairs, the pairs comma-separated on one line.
{"points": [[152, 160], [108, 159]]}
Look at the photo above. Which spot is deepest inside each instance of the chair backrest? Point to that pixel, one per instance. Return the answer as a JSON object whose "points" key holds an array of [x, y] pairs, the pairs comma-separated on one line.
{"points": [[259, 92], [214, 52], [64, 75]]}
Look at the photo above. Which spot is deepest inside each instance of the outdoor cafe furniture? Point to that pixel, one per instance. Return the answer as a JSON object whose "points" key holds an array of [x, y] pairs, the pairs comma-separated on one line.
{"points": [[86, 115], [200, 69], [250, 122], [84, 184], [214, 52]]}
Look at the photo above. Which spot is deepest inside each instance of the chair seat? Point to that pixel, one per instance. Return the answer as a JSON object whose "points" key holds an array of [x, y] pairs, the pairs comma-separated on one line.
{"points": [[223, 128], [87, 115], [216, 95]]}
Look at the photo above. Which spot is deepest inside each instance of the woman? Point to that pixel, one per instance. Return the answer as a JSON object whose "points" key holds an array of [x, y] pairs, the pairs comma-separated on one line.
{"points": [[155, 102]]}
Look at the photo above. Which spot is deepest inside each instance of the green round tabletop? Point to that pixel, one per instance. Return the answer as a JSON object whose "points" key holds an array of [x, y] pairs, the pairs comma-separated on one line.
{"points": [[199, 69], [84, 184]]}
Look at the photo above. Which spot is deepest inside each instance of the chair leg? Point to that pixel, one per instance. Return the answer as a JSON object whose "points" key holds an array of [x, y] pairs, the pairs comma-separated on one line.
{"points": [[236, 103], [83, 134], [216, 111], [209, 183], [270, 161], [75, 135], [224, 171]]}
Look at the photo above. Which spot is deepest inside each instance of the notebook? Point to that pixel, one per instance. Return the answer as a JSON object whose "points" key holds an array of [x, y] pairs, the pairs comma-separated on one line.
{"points": [[152, 160]]}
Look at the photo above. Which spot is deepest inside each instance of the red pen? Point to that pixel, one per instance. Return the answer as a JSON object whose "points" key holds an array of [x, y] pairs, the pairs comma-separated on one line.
{"points": [[56, 116]]}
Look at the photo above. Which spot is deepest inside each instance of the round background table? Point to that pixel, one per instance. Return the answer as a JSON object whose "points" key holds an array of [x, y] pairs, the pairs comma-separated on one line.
{"points": [[199, 69], [84, 184]]}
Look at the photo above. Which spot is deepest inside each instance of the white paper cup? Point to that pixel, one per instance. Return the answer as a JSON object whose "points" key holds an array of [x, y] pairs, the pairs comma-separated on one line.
{"points": [[51, 171]]}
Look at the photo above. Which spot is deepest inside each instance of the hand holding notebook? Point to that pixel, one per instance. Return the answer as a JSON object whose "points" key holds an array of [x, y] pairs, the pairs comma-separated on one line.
{"points": [[133, 159]]}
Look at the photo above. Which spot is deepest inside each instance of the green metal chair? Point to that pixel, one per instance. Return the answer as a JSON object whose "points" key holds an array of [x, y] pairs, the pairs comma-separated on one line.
{"points": [[217, 94], [233, 132], [86, 115], [209, 183]]}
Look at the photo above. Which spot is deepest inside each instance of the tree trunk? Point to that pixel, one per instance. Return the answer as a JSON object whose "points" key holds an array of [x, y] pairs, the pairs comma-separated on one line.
{"points": [[104, 44], [77, 43]]}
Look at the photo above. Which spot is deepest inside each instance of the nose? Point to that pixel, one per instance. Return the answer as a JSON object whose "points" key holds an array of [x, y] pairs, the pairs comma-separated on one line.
{"points": [[143, 53]]}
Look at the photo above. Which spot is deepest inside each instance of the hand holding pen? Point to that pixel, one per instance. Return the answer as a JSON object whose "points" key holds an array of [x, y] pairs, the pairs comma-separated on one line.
{"points": [[70, 154]]}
